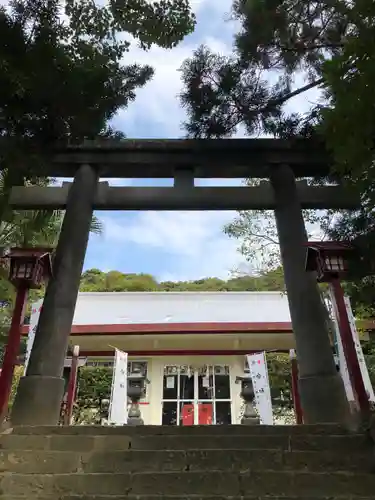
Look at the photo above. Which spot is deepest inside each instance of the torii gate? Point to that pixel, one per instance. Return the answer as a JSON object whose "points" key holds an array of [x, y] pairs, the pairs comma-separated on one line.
{"points": [[281, 161]]}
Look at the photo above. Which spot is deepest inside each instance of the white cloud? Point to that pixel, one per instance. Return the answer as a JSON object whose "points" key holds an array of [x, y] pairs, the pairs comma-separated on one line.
{"points": [[194, 240], [157, 102]]}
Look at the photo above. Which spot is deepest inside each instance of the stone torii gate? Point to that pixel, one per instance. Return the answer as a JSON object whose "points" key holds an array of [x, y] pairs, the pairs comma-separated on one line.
{"points": [[322, 393]]}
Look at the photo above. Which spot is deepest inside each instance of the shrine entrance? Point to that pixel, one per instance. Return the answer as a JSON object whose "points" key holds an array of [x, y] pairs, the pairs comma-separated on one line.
{"points": [[196, 395], [276, 163]]}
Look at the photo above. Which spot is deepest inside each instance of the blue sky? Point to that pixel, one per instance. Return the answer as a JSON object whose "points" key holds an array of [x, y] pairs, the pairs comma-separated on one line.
{"points": [[170, 245]]}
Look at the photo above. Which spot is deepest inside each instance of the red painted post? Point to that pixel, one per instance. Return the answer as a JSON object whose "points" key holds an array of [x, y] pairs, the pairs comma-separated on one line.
{"points": [[72, 385], [348, 345], [12, 349], [295, 391]]}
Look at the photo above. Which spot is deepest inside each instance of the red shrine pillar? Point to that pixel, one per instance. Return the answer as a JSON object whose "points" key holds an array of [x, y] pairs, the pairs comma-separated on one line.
{"points": [[349, 349]]}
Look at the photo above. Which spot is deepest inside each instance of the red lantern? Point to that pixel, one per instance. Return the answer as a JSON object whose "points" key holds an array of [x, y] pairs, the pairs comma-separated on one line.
{"points": [[29, 267], [329, 259]]}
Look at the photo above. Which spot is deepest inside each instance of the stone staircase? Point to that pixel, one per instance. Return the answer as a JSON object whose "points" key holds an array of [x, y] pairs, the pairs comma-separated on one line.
{"points": [[207, 463]]}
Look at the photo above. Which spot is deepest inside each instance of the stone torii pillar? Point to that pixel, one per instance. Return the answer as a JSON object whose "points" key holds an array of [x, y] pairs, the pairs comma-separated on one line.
{"points": [[322, 391], [40, 392]]}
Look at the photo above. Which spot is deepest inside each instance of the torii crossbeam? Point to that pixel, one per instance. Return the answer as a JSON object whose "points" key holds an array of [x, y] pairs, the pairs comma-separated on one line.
{"points": [[209, 158], [185, 198]]}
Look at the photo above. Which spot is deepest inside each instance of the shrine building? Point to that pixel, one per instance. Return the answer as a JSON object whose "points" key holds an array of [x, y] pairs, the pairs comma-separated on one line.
{"points": [[191, 346]]}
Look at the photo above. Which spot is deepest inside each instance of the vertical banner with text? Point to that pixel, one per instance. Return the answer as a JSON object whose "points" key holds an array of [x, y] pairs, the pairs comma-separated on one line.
{"points": [[118, 413], [34, 318], [259, 375], [359, 351]]}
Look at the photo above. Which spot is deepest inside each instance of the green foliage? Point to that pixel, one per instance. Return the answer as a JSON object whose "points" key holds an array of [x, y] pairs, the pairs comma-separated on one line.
{"points": [[94, 280], [219, 94], [349, 120], [94, 385], [164, 22], [7, 299], [279, 373], [257, 233], [18, 372], [77, 86], [290, 35]]}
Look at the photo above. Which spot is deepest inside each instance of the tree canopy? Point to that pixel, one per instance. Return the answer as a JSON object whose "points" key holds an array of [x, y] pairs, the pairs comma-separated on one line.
{"points": [[277, 46], [63, 75]]}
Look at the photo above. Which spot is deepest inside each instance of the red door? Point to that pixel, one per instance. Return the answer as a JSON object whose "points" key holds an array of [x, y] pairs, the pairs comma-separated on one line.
{"points": [[205, 414], [187, 414]]}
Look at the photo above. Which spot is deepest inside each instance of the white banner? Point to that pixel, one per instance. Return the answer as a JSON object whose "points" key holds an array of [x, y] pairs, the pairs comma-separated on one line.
{"points": [[341, 356], [34, 318], [358, 348], [118, 412], [259, 375], [343, 367]]}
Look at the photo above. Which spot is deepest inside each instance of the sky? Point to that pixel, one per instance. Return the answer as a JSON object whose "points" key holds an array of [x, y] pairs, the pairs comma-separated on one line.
{"points": [[171, 245]]}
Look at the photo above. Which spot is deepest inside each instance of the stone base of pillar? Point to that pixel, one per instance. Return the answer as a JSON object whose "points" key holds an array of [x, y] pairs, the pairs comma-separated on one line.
{"points": [[38, 401], [324, 400]]}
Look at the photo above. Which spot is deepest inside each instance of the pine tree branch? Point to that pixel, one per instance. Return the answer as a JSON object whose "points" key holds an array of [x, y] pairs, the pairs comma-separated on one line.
{"points": [[286, 97], [280, 100], [301, 47]]}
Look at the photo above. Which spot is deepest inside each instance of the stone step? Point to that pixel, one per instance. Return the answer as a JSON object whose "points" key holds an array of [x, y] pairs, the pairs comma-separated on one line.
{"points": [[339, 443], [179, 497], [193, 430], [52, 462], [218, 483]]}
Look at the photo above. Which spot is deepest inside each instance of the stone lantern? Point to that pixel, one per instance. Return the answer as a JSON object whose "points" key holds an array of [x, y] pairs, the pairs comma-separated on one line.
{"points": [[250, 416], [136, 389], [103, 411], [28, 268]]}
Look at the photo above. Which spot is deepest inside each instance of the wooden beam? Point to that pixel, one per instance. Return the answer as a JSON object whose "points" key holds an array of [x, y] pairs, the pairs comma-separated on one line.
{"points": [[184, 198], [210, 158]]}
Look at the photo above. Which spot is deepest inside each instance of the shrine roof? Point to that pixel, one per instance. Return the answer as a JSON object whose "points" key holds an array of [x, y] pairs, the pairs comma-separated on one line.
{"points": [[169, 313], [181, 307]]}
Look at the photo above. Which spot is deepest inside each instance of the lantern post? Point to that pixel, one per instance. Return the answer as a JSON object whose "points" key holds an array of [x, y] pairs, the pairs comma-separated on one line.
{"points": [[330, 260], [29, 268], [72, 386], [295, 391]]}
